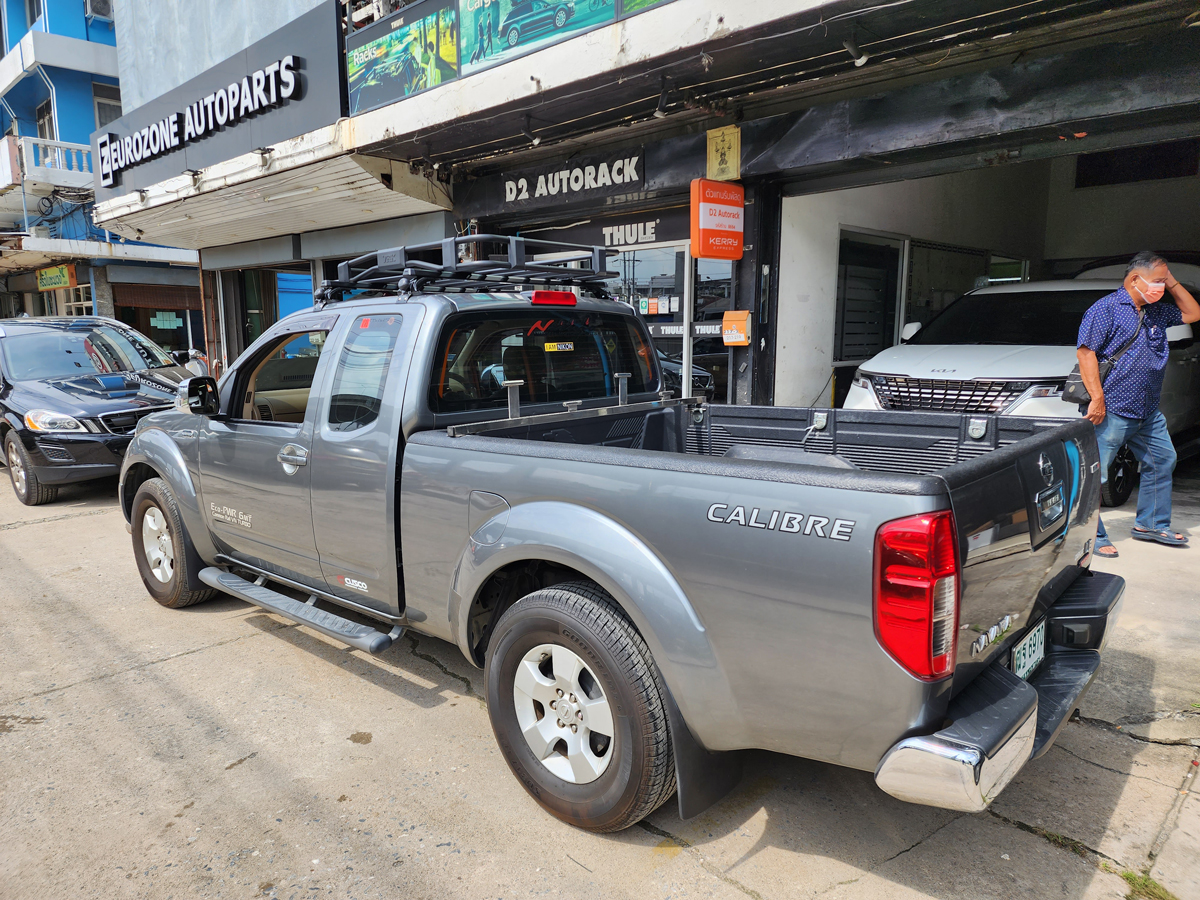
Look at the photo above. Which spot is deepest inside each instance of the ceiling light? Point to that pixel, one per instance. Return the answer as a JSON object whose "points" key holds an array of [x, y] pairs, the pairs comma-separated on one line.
{"points": [[271, 198], [851, 45]]}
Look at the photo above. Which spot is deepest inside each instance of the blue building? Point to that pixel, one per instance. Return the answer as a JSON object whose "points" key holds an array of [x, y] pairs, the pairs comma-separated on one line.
{"points": [[58, 84]]}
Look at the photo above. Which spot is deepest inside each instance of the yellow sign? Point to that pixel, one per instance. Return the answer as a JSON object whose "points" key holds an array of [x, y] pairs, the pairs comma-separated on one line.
{"points": [[56, 278], [735, 328], [559, 346], [725, 153]]}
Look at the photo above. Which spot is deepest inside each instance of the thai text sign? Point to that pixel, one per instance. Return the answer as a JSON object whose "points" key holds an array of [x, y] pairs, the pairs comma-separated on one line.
{"points": [[56, 277], [717, 212], [735, 328]]}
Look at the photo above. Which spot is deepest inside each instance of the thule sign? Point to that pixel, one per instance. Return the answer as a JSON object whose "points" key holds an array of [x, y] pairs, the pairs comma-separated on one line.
{"points": [[261, 90]]}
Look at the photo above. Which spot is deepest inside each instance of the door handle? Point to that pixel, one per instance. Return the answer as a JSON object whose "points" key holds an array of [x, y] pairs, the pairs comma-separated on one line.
{"points": [[292, 457]]}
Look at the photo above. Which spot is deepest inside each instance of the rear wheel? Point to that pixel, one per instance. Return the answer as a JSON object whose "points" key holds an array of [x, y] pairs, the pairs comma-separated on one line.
{"points": [[1122, 476], [26, 486], [577, 707], [560, 18], [514, 35], [159, 546]]}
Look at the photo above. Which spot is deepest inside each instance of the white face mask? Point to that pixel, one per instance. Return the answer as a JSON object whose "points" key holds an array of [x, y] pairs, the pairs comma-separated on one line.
{"points": [[1151, 290]]}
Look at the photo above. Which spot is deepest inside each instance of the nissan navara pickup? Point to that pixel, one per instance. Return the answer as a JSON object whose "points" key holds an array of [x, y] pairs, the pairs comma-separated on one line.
{"points": [[469, 439]]}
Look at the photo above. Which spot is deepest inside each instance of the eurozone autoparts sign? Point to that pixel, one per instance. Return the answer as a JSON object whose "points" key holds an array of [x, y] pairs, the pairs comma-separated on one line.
{"points": [[574, 180]]}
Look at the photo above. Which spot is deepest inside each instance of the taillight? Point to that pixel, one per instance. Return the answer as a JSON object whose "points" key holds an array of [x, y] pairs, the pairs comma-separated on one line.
{"points": [[553, 298], [916, 592]]}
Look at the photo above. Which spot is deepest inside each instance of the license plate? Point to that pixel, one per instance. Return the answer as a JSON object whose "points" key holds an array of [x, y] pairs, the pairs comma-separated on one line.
{"points": [[1030, 651]]}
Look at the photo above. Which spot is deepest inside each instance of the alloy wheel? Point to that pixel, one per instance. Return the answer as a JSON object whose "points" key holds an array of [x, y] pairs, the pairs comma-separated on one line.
{"points": [[17, 468], [156, 541], [563, 713]]}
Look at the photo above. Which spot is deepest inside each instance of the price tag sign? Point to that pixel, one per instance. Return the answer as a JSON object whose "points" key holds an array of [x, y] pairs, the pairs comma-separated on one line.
{"points": [[718, 209]]}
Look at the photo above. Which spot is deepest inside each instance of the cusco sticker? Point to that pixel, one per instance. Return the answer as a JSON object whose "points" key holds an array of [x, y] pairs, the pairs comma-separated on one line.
{"points": [[353, 583], [552, 347]]}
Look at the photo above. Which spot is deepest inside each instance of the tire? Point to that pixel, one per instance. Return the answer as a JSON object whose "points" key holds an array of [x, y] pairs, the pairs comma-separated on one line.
{"points": [[160, 546], [574, 638], [560, 18], [1122, 476], [25, 483], [514, 35]]}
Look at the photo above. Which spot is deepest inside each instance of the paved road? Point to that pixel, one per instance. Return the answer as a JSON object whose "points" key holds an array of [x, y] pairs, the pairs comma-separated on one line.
{"points": [[221, 752]]}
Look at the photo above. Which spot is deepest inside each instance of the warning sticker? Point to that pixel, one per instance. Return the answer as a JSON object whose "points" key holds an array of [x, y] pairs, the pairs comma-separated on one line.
{"points": [[552, 347]]}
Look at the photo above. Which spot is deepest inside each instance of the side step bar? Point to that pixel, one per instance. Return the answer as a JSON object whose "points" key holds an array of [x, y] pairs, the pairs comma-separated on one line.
{"points": [[361, 637]]}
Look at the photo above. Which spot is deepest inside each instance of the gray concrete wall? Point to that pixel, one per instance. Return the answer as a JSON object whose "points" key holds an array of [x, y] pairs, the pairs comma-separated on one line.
{"points": [[163, 43]]}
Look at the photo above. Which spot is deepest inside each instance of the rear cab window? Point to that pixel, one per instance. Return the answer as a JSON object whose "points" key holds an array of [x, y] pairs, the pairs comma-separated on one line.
{"points": [[559, 355]]}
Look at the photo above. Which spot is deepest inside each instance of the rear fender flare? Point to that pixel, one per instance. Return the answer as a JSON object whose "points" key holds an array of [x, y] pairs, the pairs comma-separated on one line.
{"points": [[621, 563], [155, 448]]}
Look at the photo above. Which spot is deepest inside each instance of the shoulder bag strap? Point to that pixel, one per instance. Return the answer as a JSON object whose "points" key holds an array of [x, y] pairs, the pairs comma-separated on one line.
{"points": [[1129, 343]]}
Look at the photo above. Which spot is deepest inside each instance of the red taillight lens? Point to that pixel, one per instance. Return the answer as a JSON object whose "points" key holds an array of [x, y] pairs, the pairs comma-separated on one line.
{"points": [[553, 298], [916, 592]]}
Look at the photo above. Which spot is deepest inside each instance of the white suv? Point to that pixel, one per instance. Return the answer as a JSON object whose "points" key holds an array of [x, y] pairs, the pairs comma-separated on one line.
{"points": [[1007, 349]]}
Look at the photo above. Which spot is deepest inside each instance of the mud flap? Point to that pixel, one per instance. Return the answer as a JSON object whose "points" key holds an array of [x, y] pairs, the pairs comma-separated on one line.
{"points": [[702, 777]]}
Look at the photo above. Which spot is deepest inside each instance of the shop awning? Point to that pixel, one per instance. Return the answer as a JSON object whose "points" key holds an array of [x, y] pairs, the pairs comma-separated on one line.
{"points": [[22, 252]]}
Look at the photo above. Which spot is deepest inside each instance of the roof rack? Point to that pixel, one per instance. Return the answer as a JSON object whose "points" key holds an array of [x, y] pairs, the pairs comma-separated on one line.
{"points": [[472, 263]]}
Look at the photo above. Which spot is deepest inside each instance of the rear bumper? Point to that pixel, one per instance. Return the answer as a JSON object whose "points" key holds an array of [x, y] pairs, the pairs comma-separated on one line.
{"points": [[999, 722]]}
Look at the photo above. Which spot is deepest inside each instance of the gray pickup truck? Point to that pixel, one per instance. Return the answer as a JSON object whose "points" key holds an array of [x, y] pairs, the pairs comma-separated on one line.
{"points": [[469, 439]]}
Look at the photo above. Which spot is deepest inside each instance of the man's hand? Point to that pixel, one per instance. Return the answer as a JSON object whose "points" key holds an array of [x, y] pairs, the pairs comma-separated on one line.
{"points": [[1096, 413], [1188, 307]]}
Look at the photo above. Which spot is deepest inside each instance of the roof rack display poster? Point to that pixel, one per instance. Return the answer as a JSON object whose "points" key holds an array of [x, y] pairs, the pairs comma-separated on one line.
{"points": [[402, 55], [717, 213], [497, 30]]}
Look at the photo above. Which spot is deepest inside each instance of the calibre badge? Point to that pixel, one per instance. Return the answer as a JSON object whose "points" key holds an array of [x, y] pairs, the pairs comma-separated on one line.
{"points": [[779, 520]]}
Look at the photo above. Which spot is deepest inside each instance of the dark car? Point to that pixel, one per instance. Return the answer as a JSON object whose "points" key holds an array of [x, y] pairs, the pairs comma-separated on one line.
{"points": [[672, 369], [71, 393], [533, 17]]}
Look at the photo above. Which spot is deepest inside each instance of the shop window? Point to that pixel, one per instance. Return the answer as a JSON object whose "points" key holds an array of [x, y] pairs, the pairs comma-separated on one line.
{"points": [[1177, 159], [45, 122], [76, 301], [357, 395], [279, 385], [33, 11]]}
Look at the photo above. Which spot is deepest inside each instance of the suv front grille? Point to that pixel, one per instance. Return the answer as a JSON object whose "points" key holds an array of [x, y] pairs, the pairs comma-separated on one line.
{"points": [[937, 395], [126, 422]]}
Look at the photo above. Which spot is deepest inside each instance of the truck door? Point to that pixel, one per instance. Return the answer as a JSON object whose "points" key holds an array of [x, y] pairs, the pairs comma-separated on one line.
{"points": [[355, 459], [254, 470]]}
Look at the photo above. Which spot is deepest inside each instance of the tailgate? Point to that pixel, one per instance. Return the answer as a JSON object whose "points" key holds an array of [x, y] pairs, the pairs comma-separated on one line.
{"points": [[1026, 515]]}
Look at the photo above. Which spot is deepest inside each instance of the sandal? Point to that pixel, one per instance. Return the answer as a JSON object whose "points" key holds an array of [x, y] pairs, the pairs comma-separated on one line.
{"points": [[1171, 539], [1112, 554]]}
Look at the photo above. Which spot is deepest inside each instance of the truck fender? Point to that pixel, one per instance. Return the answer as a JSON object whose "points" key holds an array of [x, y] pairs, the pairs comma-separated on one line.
{"points": [[699, 699], [154, 448]]}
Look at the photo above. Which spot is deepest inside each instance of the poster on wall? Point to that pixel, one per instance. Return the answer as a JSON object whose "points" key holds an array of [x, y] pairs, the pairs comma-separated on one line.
{"points": [[629, 7], [409, 52], [497, 30]]}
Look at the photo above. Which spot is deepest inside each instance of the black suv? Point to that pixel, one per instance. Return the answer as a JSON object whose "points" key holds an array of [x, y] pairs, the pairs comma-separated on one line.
{"points": [[71, 393], [532, 17]]}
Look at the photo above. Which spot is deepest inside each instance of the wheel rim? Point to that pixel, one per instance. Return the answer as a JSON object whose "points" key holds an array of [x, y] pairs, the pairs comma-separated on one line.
{"points": [[563, 713], [1122, 472], [16, 468], [561, 19], [156, 541]]}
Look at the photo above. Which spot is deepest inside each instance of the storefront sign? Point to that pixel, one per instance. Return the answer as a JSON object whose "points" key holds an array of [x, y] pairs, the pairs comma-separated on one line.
{"points": [[735, 328], [287, 84], [717, 212], [651, 227], [725, 153], [56, 278], [257, 92], [699, 329]]}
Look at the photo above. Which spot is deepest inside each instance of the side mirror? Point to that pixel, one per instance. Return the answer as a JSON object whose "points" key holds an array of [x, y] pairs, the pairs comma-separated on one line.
{"points": [[180, 356], [907, 332], [1180, 337], [199, 396]]}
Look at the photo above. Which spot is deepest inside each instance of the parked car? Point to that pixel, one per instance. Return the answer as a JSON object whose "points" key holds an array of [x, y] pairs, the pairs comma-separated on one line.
{"points": [[651, 584], [532, 17], [672, 373], [1007, 350], [71, 392]]}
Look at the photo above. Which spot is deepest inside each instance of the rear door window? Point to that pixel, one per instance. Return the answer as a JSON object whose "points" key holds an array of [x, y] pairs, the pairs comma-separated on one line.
{"points": [[558, 355]]}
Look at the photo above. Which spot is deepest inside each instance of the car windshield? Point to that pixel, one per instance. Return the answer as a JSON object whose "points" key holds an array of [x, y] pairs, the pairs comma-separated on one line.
{"points": [[79, 350], [1037, 318]]}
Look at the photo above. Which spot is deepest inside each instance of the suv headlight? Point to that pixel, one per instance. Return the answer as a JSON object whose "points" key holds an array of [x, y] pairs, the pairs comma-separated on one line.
{"points": [[45, 420], [1035, 391]]}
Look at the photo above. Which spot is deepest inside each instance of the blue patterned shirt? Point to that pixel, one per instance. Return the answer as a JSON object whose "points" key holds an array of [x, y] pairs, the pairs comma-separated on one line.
{"points": [[1134, 385]]}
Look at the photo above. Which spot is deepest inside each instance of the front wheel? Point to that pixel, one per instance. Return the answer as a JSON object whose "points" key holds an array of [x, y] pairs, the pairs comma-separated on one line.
{"points": [[560, 18], [513, 37], [26, 486], [576, 705], [159, 546], [1122, 476]]}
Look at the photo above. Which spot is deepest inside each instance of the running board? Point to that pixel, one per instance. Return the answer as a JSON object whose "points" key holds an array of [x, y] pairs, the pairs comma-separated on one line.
{"points": [[361, 637]]}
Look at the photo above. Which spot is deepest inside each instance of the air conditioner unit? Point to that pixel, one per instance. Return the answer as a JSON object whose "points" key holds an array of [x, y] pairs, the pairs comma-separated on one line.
{"points": [[100, 9]]}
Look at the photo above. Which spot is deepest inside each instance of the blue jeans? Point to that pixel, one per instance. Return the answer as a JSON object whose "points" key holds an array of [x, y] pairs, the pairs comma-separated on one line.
{"points": [[1151, 445]]}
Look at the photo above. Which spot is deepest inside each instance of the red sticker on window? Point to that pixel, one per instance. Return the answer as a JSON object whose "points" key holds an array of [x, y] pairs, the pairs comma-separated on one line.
{"points": [[364, 323]]}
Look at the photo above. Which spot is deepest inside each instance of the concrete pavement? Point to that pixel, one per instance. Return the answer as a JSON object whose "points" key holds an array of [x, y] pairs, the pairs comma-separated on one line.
{"points": [[220, 752]]}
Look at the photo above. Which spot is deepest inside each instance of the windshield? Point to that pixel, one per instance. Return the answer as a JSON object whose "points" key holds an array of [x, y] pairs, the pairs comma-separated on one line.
{"points": [[1038, 318], [81, 350]]}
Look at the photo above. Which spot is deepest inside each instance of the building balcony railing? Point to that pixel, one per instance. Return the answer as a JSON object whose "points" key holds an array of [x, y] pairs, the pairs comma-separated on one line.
{"points": [[44, 165]]}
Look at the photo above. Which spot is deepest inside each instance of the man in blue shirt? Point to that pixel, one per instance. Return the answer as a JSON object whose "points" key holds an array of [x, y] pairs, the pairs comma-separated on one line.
{"points": [[1124, 408]]}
